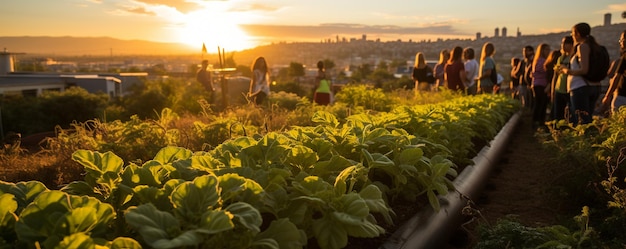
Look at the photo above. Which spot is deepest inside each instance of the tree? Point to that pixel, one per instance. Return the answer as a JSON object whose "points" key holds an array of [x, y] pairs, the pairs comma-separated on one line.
{"points": [[296, 70]]}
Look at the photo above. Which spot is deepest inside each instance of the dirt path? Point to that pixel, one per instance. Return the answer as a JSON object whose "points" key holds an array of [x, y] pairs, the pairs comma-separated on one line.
{"points": [[520, 185]]}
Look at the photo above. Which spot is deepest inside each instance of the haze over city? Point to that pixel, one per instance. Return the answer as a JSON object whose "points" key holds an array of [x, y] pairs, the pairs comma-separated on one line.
{"points": [[242, 24]]}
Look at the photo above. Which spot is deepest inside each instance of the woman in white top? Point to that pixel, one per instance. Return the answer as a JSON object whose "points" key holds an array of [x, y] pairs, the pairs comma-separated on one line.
{"points": [[260, 82], [583, 94]]}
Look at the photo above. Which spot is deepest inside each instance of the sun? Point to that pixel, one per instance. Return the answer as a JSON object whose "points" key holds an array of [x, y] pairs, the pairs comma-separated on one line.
{"points": [[214, 29]]}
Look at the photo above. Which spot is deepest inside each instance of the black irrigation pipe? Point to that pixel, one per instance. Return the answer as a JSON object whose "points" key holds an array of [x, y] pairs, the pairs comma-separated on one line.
{"points": [[430, 229]]}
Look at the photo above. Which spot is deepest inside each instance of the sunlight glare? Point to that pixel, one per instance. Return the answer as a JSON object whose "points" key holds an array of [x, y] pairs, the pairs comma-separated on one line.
{"points": [[214, 28]]}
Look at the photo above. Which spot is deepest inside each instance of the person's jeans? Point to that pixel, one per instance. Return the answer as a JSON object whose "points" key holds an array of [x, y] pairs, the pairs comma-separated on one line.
{"points": [[561, 101], [583, 101], [541, 103]]}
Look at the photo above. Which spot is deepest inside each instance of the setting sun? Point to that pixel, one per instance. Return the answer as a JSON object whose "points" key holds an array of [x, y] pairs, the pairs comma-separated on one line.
{"points": [[213, 28]]}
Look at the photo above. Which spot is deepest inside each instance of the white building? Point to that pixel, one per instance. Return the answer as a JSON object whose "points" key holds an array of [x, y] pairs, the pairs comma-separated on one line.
{"points": [[34, 84]]}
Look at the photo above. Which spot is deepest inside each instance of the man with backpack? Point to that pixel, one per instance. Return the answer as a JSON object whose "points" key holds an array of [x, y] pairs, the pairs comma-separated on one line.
{"points": [[588, 66]]}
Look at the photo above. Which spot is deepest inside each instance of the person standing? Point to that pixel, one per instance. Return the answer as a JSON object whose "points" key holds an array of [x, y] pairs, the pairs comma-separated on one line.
{"points": [[455, 70], [539, 83], [616, 94], [514, 84], [522, 71], [204, 77], [439, 72], [260, 82], [422, 73], [471, 70], [583, 94], [560, 97], [487, 77], [323, 87]]}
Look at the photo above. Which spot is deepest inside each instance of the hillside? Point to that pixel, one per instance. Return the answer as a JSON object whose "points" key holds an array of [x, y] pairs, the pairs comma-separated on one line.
{"points": [[308, 53], [67, 45]]}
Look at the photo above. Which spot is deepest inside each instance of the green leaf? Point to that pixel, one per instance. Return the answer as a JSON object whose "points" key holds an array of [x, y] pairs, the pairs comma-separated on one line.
{"points": [[98, 164], [82, 219], [171, 154], [38, 220], [158, 197], [206, 163], [215, 221], [76, 241], [373, 197], [312, 185], [285, 233], [301, 156], [265, 244], [188, 238], [329, 233], [192, 199], [325, 118], [24, 192], [158, 228], [79, 188], [237, 188], [150, 175], [124, 243], [8, 206], [410, 156], [336, 163], [246, 215], [352, 209], [433, 200], [55, 214]]}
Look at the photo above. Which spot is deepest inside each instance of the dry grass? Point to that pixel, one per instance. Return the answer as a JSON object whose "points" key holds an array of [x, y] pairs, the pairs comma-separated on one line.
{"points": [[50, 169]]}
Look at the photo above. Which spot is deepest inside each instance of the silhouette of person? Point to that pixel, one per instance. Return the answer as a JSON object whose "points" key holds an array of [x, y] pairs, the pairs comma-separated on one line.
{"points": [[204, 77], [560, 96], [260, 82], [439, 72], [487, 71], [616, 94], [539, 83], [455, 70], [323, 86], [471, 70], [422, 73]]}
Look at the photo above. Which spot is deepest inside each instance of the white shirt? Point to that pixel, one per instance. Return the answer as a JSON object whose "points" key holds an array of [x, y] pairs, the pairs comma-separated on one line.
{"points": [[262, 82], [471, 71], [574, 81]]}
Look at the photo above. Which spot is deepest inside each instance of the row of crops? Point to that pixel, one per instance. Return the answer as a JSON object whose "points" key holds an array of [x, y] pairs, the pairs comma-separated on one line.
{"points": [[318, 184]]}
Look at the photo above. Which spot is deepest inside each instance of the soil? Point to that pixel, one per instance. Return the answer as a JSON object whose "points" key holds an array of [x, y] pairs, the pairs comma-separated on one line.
{"points": [[521, 187]]}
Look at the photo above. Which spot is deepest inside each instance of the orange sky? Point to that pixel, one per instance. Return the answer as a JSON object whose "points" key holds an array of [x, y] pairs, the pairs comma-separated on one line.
{"points": [[240, 24]]}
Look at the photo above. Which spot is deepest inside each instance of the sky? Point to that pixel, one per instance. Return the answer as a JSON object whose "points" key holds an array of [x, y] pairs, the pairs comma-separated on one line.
{"points": [[241, 24]]}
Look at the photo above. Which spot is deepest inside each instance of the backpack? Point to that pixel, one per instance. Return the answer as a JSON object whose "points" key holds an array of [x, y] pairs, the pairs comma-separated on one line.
{"points": [[599, 62], [494, 75]]}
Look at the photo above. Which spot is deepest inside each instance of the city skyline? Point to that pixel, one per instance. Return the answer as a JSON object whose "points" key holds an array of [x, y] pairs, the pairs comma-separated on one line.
{"points": [[242, 24]]}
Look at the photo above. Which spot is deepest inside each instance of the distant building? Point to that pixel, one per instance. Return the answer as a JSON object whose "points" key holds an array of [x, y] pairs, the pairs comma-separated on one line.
{"points": [[607, 19], [36, 83], [364, 37], [518, 32], [478, 35], [496, 32], [503, 31]]}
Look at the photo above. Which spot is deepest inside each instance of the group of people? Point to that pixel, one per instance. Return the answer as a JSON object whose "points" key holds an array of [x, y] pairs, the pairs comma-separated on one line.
{"points": [[556, 78], [560, 78], [458, 70], [259, 83]]}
